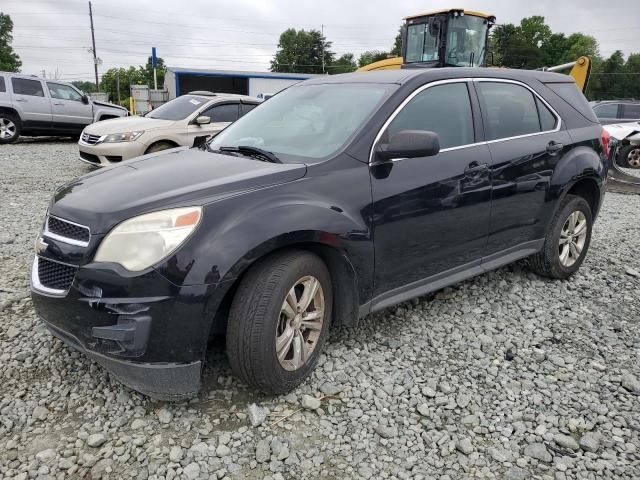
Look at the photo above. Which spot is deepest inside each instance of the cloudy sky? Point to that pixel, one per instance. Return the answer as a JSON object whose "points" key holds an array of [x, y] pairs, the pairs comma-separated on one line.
{"points": [[54, 35]]}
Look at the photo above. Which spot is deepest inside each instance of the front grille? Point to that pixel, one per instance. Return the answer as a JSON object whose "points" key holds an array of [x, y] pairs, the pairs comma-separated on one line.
{"points": [[55, 276], [69, 230], [90, 139], [89, 157]]}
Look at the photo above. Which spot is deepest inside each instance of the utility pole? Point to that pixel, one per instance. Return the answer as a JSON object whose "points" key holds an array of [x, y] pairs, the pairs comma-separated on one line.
{"points": [[322, 39], [93, 41], [44, 73], [118, 85]]}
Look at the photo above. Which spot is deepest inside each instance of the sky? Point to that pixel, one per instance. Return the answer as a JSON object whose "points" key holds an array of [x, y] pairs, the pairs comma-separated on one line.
{"points": [[54, 35]]}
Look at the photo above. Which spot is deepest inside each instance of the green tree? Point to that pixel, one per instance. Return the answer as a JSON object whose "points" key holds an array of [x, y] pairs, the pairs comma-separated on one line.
{"points": [[345, 64], [127, 77], [9, 60], [301, 51], [371, 56], [87, 87], [396, 50]]}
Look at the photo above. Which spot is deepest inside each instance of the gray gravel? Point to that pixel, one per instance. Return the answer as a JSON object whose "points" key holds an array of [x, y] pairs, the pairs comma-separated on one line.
{"points": [[504, 376]]}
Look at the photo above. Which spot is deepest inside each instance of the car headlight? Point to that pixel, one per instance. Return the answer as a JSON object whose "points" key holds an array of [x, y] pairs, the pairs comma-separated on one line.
{"points": [[122, 137], [142, 241]]}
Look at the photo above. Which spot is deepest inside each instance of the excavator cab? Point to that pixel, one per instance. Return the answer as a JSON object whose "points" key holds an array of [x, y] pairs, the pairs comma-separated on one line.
{"points": [[446, 38]]}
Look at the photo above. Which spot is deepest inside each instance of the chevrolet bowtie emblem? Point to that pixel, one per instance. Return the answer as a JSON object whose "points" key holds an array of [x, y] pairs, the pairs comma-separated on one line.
{"points": [[41, 245]]}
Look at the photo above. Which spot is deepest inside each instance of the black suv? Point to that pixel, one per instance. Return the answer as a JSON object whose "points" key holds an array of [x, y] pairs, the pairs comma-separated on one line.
{"points": [[338, 197]]}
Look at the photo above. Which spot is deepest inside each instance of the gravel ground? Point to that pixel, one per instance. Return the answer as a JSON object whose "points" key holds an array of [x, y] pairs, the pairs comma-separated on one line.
{"points": [[504, 376]]}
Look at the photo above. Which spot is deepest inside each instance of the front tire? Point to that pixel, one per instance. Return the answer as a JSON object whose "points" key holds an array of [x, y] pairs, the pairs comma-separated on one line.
{"points": [[567, 240], [279, 320], [9, 128]]}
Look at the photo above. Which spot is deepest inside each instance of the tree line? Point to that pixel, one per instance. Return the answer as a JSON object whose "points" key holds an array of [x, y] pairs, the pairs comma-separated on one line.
{"points": [[529, 45]]}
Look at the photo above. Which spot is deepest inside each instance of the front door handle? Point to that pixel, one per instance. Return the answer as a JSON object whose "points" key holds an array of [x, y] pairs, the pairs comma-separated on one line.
{"points": [[475, 167], [58, 103], [20, 99], [554, 147]]}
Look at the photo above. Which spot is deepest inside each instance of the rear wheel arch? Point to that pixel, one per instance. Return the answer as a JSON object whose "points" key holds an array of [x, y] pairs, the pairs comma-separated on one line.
{"points": [[11, 111], [588, 189]]}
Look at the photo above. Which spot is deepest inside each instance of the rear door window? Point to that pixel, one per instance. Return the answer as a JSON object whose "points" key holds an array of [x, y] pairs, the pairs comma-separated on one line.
{"points": [[443, 109], [3, 87], [606, 110], [222, 113], [570, 93], [509, 110], [23, 86], [548, 120], [630, 111]]}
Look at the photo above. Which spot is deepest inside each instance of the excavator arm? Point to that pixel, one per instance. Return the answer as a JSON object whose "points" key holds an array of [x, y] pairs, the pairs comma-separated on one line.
{"points": [[580, 71]]}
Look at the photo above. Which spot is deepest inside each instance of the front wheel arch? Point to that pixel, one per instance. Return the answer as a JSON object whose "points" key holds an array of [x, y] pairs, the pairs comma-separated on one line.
{"points": [[346, 300], [153, 147]]}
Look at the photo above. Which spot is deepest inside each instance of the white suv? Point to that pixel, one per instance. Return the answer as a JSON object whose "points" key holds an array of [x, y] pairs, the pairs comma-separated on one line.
{"points": [[188, 120], [34, 106]]}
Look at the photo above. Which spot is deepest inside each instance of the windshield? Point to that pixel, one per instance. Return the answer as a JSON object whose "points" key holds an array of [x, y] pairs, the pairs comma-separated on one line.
{"points": [[307, 122], [178, 108], [422, 45], [466, 42]]}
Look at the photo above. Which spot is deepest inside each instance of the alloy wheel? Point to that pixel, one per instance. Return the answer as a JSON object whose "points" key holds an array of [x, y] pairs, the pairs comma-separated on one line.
{"points": [[572, 238], [7, 128], [633, 158], [300, 323]]}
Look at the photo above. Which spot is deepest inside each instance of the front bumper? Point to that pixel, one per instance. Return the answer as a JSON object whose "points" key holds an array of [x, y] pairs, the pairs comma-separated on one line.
{"points": [[149, 333], [170, 381], [104, 154]]}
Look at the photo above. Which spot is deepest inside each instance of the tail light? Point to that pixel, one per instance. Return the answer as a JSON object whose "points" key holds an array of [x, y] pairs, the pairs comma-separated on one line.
{"points": [[604, 141]]}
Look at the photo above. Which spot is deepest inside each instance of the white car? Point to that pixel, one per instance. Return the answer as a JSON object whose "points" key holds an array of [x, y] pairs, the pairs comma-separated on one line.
{"points": [[628, 134], [188, 120]]}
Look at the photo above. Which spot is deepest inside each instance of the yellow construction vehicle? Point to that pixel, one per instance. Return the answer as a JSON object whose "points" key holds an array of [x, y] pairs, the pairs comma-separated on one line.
{"points": [[456, 38]]}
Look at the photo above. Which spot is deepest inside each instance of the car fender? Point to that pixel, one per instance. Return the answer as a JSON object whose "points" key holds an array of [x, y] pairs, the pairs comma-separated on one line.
{"points": [[576, 165], [234, 235], [13, 106], [100, 110]]}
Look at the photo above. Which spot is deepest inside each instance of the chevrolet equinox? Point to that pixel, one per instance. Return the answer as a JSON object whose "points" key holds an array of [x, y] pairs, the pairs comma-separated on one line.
{"points": [[338, 197]]}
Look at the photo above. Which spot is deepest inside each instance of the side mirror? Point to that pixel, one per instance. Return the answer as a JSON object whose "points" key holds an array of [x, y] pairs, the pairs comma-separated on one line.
{"points": [[203, 120], [85, 99], [409, 144]]}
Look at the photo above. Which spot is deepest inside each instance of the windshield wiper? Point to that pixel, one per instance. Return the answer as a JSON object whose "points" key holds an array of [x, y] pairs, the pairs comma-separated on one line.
{"points": [[250, 151]]}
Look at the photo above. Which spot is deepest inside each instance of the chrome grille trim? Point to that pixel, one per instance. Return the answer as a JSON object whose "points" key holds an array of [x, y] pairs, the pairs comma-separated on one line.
{"points": [[61, 238], [90, 139], [39, 287]]}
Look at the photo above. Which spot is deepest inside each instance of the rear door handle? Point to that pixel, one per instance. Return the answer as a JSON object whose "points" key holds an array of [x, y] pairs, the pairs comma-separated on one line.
{"points": [[475, 167], [20, 99], [58, 103], [554, 147]]}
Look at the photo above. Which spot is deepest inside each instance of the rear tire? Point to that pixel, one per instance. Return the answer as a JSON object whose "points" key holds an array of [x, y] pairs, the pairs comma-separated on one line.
{"points": [[260, 321], [159, 146], [630, 156], [567, 240], [10, 128]]}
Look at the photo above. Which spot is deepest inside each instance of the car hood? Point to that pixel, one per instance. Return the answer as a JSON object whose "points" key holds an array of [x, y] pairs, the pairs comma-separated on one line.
{"points": [[620, 131], [181, 177], [107, 104], [127, 124]]}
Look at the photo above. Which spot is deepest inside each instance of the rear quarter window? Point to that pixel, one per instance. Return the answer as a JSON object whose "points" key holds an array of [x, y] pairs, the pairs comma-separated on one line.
{"points": [[569, 93], [3, 86]]}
